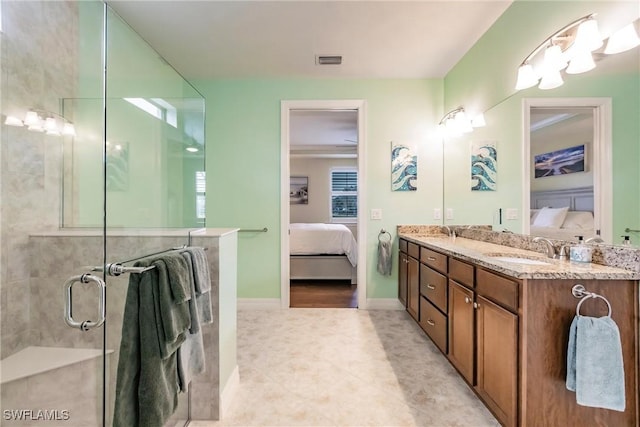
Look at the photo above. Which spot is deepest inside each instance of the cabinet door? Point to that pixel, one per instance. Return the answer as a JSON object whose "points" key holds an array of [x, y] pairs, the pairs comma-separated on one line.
{"points": [[497, 357], [402, 278], [461, 329], [413, 288]]}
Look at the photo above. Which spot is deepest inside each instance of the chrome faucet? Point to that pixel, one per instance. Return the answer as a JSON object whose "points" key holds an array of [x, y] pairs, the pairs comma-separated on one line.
{"points": [[594, 239], [450, 232], [551, 250]]}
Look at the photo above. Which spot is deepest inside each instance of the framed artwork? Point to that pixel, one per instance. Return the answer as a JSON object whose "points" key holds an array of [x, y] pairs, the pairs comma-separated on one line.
{"points": [[299, 190], [404, 168], [560, 162], [484, 165]]}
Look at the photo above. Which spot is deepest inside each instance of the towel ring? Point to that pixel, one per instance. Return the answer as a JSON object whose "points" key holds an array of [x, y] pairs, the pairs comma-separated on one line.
{"points": [[593, 296], [382, 233]]}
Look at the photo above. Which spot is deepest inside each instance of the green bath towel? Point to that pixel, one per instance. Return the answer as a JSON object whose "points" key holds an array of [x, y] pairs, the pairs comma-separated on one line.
{"points": [[155, 310]]}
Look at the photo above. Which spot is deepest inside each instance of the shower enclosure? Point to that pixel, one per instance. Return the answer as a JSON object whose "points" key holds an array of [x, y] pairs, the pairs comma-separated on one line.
{"points": [[101, 160]]}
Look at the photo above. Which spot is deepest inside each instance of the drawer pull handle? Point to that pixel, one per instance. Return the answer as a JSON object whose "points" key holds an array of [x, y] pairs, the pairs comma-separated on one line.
{"points": [[430, 286], [476, 305], [431, 322], [467, 300], [430, 258]]}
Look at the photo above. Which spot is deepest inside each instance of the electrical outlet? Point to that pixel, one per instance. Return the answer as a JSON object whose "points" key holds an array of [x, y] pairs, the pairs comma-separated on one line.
{"points": [[449, 213], [437, 213], [512, 213], [376, 214]]}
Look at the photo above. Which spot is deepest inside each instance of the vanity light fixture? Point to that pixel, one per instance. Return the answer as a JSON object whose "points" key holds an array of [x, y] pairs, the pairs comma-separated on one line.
{"points": [[570, 48], [43, 121], [456, 122]]}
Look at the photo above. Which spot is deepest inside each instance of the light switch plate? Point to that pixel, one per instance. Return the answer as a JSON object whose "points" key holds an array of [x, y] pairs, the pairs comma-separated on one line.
{"points": [[376, 214], [512, 213], [449, 213], [437, 213]]}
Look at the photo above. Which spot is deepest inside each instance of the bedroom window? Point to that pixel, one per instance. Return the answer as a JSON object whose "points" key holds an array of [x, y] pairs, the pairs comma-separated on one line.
{"points": [[200, 194], [344, 195]]}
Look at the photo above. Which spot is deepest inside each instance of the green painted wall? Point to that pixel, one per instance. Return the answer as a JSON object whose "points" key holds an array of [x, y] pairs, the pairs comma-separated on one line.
{"points": [[243, 164], [484, 79]]}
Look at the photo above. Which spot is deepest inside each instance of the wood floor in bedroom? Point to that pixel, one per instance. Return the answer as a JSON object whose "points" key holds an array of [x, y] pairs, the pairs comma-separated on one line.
{"points": [[323, 294]]}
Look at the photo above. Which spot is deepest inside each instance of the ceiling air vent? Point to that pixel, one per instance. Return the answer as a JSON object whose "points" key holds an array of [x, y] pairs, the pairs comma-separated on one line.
{"points": [[328, 59]]}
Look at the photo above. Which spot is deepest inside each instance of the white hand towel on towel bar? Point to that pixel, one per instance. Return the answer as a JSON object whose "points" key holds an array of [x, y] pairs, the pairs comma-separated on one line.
{"points": [[595, 369]]}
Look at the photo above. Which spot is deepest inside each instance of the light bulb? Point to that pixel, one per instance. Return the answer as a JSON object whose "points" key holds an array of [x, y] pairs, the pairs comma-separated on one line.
{"points": [[551, 80], [581, 62], [622, 40], [588, 36], [554, 59], [13, 121], [32, 119], [526, 77]]}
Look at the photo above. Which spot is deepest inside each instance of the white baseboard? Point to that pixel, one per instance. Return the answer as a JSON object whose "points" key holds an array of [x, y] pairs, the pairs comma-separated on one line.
{"points": [[384, 304], [275, 304], [259, 304], [228, 392]]}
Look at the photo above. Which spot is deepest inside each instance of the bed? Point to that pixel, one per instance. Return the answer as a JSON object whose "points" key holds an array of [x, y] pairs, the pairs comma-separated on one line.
{"points": [[562, 214], [322, 251]]}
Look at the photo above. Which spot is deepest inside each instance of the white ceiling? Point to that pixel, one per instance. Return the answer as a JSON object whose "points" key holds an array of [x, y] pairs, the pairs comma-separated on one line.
{"points": [[263, 38], [320, 133]]}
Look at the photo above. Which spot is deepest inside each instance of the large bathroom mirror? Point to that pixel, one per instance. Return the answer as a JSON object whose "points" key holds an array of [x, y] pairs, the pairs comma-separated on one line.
{"points": [[598, 111]]}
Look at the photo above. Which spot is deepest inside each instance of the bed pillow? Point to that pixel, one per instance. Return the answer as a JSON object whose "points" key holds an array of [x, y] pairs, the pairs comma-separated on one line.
{"points": [[533, 213], [550, 217], [578, 219]]}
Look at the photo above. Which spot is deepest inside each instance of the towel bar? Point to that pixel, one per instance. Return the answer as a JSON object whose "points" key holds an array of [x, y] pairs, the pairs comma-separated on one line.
{"points": [[117, 268], [579, 291], [254, 230], [382, 233]]}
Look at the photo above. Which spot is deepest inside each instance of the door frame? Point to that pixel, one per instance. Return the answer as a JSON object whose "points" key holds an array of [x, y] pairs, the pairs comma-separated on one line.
{"points": [[602, 157], [285, 109]]}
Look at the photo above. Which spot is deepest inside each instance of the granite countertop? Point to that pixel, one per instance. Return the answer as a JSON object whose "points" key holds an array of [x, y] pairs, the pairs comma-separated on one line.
{"points": [[485, 254]]}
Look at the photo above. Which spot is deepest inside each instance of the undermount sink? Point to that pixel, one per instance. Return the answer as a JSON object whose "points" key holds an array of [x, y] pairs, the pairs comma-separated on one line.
{"points": [[518, 259]]}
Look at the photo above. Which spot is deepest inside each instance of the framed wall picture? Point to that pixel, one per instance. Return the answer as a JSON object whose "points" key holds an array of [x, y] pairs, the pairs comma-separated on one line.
{"points": [[299, 190], [404, 168], [560, 162], [484, 165]]}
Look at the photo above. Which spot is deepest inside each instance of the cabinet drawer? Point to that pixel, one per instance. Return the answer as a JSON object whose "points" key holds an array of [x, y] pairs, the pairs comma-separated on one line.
{"points": [[434, 259], [461, 272], [434, 324], [433, 285], [497, 289], [403, 245], [413, 250]]}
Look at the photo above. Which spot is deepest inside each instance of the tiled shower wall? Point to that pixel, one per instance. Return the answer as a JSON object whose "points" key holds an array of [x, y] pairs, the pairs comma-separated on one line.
{"points": [[39, 42], [62, 256]]}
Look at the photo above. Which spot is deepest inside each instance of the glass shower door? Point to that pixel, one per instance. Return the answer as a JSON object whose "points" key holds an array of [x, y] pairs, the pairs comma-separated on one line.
{"points": [[51, 373], [154, 155]]}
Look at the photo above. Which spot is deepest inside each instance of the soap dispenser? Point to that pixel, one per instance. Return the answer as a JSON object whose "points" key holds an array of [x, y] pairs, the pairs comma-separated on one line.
{"points": [[626, 241], [580, 252]]}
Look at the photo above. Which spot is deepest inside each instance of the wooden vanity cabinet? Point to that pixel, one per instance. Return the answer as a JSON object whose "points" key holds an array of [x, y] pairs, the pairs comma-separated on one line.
{"points": [[403, 269], [461, 330], [408, 277], [508, 337], [497, 360]]}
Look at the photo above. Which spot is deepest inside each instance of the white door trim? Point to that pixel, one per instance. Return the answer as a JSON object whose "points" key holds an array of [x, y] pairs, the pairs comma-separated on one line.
{"points": [[602, 157], [285, 109]]}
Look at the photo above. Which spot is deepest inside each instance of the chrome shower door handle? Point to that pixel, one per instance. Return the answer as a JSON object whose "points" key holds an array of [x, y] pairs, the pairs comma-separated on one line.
{"points": [[102, 289]]}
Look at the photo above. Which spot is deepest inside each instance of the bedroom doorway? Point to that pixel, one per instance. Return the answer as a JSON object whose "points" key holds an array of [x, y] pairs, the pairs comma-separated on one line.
{"points": [[323, 237]]}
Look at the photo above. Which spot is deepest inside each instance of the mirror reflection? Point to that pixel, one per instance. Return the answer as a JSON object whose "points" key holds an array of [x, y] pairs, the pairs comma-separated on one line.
{"points": [[561, 178]]}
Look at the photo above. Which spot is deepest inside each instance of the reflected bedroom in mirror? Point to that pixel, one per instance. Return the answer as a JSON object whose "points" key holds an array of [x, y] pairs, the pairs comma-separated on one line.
{"points": [[562, 170]]}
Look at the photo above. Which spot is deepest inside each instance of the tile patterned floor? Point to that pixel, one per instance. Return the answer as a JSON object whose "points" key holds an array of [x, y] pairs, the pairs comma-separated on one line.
{"points": [[345, 367]]}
